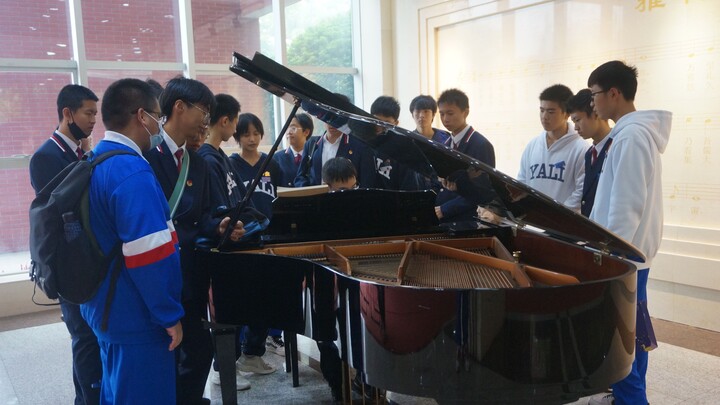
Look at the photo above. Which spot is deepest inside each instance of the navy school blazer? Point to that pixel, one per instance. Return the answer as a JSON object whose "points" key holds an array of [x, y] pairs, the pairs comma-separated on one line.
{"points": [[193, 216], [360, 155], [592, 177], [455, 207], [49, 160]]}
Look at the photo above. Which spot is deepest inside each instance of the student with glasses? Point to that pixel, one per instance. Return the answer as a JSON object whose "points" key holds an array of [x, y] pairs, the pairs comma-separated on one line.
{"points": [[628, 200], [339, 174], [187, 103]]}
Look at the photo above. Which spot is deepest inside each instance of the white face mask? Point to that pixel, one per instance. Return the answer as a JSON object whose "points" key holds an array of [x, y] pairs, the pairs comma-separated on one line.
{"points": [[155, 139]]}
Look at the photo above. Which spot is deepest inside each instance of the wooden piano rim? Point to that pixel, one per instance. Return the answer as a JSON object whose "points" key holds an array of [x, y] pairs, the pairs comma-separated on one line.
{"points": [[339, 256]]}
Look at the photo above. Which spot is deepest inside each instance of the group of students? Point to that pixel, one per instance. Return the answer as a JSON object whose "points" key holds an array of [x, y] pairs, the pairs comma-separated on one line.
{"points": [[620, 188], [616, 182], [156, 348], [156, 201]]}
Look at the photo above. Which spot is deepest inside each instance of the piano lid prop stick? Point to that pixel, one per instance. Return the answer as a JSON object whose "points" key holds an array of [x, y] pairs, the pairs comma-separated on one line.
{"points": [[235, 213]]}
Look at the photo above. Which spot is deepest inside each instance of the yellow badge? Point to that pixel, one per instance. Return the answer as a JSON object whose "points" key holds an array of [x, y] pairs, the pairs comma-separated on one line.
{"points": [[350, 152], [188, 183]]}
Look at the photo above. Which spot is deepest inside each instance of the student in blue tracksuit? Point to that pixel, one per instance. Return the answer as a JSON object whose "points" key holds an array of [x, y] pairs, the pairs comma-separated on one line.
{"points": [[249, 133], [300, 129], [589, 126], [423, 109], [334, 143], [128, 207], [76, 108], [454, 108], [187, 104]]}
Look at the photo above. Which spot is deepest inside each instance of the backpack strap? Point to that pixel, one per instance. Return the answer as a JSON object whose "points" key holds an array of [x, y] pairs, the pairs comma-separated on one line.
{"points": [[114, 276]]}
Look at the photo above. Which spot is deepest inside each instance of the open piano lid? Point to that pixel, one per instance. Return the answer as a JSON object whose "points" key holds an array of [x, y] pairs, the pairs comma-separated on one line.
{"points": [[519, 203]]}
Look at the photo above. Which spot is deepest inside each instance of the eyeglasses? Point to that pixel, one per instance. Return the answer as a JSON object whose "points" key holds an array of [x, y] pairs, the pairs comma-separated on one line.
{"points": [[353, 187], [160, 118], [594, 93], [206, 118]]}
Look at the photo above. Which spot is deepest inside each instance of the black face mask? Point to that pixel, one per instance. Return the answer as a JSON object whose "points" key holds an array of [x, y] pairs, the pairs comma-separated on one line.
{"points": [[75, 130]]}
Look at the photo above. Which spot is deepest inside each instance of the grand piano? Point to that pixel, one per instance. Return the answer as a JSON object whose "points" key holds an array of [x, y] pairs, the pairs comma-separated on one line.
{"points": [[539, 309]]}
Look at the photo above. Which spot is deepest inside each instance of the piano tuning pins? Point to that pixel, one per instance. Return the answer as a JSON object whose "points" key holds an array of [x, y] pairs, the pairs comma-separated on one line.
{"points": [[516, 255]]}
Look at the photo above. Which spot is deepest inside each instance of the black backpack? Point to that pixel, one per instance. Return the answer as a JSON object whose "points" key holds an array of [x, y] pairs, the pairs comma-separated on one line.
{"points": [[66, 261]]}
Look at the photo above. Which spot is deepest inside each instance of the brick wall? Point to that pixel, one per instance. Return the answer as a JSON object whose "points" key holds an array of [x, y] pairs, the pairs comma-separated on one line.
{"points": [[31, 29], [139, 32], [142, 31]]}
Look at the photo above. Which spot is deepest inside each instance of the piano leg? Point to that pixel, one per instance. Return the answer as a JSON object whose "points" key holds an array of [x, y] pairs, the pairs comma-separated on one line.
{"points": [[225, 359], [291, 357]]}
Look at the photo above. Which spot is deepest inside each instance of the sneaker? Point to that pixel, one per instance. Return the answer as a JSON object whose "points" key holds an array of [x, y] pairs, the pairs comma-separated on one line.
{"points": [[276, 345], [363, 390], [253, 364], [602, 399], [240, 381]]}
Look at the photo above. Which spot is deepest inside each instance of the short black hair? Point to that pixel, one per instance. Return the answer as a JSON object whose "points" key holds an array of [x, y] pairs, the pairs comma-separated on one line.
{"points": [[72, 96], [343, 97], [387, 106], [156, 86], [187, 90], [423, 102], [581, 102], [454, 96], [558, 93], [225, 106], [243, 125], [338, 169], [122, 99], [306, 122], [618, 75]]}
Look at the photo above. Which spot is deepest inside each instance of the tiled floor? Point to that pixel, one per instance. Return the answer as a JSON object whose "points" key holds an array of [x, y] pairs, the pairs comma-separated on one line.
{"points": [[35, 368]]}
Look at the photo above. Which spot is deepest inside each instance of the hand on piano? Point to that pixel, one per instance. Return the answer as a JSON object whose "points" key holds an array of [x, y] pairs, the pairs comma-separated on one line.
{"points": [[488, 216], [237, 232], [448, 184]]}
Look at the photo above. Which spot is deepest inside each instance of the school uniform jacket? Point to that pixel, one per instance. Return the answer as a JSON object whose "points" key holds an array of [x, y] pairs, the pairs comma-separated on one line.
{"points": [[49, 160], [592, 175], [266, 190], [286, 162], [226, 185], [360, 155], [193, 217], [453, 206]]}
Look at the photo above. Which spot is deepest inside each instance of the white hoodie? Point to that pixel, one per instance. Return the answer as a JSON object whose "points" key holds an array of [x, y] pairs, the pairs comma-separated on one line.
{"points": [[628, 201], [557, 171]]}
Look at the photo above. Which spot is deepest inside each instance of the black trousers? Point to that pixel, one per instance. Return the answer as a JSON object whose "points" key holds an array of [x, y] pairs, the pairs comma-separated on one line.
{"points": [[87, 366], [194, 356]]}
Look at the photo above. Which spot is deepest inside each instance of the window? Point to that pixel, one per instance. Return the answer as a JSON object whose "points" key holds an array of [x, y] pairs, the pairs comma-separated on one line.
{"points": [[131, 30], [38, 29], [221, 27], [99, 80], [130, 38]]}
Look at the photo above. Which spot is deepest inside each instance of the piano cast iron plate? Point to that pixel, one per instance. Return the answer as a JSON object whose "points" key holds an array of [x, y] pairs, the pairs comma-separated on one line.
{"points": [[429, 270]]}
